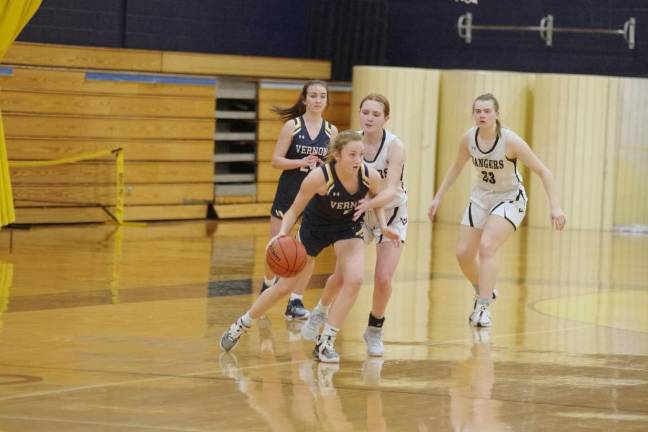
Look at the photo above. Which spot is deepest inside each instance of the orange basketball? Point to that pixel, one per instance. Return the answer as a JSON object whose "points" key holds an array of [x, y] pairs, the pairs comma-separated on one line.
{"points": [[286, 256]]}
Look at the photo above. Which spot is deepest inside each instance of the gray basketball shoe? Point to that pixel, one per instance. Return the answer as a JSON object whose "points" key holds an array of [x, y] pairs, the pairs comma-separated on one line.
{"points": [[373, 336], [324, 351], [232, 335], [311, 328]]}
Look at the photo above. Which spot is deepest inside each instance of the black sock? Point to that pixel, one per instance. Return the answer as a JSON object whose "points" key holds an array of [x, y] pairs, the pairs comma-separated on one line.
{"points": [[376, 322]]}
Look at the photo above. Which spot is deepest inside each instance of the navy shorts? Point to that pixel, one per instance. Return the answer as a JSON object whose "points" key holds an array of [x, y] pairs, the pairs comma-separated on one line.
{"points": [[316, 240], [280, 206], [284, 197]]}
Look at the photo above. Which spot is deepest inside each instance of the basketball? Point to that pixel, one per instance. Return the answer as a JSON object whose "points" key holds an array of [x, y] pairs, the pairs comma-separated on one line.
{"points": [[286, 256]]}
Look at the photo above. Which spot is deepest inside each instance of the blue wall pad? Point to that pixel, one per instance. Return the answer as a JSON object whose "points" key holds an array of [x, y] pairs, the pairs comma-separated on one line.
{"points": [[151, 79]]}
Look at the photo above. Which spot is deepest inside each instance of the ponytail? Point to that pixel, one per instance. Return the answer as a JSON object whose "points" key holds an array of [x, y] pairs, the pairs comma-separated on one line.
{"points": [[299, 108]]}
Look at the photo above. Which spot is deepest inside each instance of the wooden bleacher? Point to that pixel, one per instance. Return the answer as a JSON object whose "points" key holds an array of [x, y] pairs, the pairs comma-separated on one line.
{"points": [[51, 114], [63, 100]]}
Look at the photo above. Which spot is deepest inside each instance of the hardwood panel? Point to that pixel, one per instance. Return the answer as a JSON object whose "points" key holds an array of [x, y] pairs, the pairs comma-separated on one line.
{"points": [[91, 235], [69, 56], [22, 125], [106, 105], [268, 130], [166, 212], [234, 199], [265, 149], [266, 191], [562, 355], [103, 172], [288, 96], [341, 98], [265, 172], [242, 210], [136, 194], [152, 150], [74, 82], [26, 215], [336, 114], [221, 64]]}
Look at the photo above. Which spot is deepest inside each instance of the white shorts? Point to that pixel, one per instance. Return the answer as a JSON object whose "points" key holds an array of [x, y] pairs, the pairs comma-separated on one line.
{"points": [[396, 218], [510, 206]]}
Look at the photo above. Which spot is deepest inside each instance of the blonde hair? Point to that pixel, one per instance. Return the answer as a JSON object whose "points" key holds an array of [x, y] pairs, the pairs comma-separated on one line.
{"points": [[342, 139], [378, 98], [489, 97]]}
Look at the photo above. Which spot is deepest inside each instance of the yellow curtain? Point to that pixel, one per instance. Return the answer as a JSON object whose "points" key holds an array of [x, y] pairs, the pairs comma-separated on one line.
{"points": [[14, 15]]}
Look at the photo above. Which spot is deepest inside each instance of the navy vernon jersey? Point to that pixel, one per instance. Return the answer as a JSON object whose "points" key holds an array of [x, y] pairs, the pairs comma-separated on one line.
{"points": [[300, 147], [334, 210]]}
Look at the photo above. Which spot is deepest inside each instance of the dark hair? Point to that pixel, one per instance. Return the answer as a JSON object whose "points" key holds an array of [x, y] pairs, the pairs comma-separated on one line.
{"points": [[490, 97], [378, 98], [299, 107], [342, 139]]}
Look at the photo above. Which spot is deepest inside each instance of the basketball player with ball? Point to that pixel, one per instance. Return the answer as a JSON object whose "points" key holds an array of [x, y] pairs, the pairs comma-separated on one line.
{"points": [[327, 198]]}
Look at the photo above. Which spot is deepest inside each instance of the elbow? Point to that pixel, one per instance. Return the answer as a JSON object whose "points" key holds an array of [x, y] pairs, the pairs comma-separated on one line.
{"points": [[275, 163], [545, 174]]}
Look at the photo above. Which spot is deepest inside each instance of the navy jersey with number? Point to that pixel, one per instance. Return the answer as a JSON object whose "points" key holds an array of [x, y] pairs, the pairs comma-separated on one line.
{"points": [[334, 211], [301, 146]]}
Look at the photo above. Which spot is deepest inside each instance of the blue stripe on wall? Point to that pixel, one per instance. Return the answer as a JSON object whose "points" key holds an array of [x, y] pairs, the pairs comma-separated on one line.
{"points": [[6, 71], [150, 79]]}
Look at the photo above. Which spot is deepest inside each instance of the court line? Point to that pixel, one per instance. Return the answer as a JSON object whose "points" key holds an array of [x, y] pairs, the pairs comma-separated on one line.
{"points": [[360, 352], [103, 424], [252, 367]]}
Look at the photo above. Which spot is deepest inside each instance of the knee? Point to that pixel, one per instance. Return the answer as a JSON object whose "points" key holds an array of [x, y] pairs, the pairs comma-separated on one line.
{"points": [[284, 287], [335, 280], [465, 253], [486, 249], [353, 282]]}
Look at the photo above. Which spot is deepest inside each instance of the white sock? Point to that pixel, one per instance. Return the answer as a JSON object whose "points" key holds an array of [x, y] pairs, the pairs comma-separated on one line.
{"points": [[294, 296], [485, 301], [330, 332], [247, 320], [270, 282], [320, 307]]}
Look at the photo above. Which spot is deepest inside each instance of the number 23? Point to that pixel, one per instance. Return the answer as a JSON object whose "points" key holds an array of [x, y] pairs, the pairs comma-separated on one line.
{"points": [[488, 177]]}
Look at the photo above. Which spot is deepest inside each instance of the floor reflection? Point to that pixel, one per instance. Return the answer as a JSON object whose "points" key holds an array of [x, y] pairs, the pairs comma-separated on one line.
{"points": [[117, 329], [472, 386]]}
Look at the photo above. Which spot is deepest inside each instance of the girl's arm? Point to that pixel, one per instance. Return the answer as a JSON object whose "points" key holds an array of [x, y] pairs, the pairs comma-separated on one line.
{"points": [[396, 158], [374, 189], [451, 175], [521, 150]]}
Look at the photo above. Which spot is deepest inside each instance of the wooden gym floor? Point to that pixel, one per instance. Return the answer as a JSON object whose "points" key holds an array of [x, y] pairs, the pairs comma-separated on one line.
{"points": [[117, 330]]}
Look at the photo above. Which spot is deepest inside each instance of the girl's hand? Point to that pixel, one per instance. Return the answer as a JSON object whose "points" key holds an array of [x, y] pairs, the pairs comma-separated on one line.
{"points": [[558, 219], [392, 235], [433, 208], [364, 205], [310, 161], [273, 239]]}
